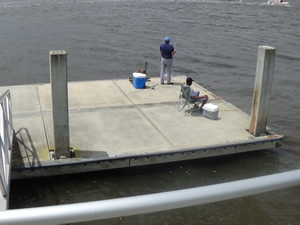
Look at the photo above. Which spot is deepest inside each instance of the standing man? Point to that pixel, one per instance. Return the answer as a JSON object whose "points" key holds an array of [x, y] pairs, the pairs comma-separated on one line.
{"points": [[167, 53]]}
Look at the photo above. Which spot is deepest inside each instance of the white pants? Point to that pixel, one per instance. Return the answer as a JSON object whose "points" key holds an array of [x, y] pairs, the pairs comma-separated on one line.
{"points": [[166, 65]]}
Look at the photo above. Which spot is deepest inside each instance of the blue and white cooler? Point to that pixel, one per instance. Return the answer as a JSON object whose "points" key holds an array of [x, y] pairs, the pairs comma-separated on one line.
{"points": [[139, 80]]}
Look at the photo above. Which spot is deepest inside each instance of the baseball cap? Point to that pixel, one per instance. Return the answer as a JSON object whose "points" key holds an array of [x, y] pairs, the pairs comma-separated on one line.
{"points": [[167, 39], [189, 79]]}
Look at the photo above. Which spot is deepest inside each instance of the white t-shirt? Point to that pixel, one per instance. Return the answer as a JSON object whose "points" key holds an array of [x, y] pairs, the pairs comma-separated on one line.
{"points": [[194, 93]]}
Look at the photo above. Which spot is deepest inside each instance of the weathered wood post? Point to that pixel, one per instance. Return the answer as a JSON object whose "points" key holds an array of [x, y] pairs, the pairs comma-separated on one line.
{"points": [[60, 109], [262, 90]]}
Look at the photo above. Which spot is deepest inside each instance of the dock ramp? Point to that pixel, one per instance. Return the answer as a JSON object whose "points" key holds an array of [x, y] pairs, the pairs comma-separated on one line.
{"points": [[6, 139]]}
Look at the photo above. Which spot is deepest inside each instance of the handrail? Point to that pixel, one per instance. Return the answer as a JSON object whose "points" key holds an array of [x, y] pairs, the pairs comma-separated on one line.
{"points": [[6, 137], [98, 210]]}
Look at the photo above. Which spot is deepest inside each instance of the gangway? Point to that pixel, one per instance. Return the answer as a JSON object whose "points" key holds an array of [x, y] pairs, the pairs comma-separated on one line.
{"points": [[6, 139]]}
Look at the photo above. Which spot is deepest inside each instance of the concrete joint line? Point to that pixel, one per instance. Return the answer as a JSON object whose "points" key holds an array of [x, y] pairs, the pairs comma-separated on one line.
{"points": [[144, 115]]}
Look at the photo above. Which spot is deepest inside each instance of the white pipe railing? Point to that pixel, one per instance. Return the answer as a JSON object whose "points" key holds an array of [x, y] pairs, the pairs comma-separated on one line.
{"points": [[98, 210], [6, 137]]}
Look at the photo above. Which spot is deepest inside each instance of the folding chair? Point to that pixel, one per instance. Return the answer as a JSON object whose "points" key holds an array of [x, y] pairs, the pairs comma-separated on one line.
{"points": [[185, 100]]}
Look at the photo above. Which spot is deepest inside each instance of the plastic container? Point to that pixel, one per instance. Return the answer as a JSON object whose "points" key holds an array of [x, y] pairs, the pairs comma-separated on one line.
{"points": [[139, 80], [210, 111], [166, 76]]}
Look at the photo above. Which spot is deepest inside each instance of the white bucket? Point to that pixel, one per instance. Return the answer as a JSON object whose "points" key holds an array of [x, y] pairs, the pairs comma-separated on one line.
{"points": [[166, 76]]}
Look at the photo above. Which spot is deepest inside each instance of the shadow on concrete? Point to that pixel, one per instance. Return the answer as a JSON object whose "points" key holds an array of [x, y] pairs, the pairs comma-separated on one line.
{"points": [[24, 154], [155, 86], [196, 113], [90, 154]]}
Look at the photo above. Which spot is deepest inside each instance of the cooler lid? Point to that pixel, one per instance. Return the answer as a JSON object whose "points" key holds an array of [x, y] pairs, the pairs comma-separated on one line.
{"points": [[139, 75], [210, 107]]}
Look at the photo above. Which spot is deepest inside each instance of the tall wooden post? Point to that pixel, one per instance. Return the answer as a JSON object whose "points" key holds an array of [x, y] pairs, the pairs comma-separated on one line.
{"points": [[262, 90], [60, 109]]}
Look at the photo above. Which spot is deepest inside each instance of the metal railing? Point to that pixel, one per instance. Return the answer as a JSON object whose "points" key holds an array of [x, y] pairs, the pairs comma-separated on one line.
{"points": [[6, 138], [114, 208]]}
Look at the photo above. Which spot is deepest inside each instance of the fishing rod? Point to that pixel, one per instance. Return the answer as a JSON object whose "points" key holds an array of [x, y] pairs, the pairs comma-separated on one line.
{"points": [[177, 39]]}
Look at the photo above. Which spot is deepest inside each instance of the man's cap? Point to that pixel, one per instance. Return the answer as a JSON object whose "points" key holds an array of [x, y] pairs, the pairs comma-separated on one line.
{"points": [[189, 79], [167, 39]]}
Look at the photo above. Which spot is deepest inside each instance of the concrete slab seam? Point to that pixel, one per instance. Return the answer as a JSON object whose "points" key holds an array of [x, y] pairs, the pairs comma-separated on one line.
{"points": [[145, 116]]}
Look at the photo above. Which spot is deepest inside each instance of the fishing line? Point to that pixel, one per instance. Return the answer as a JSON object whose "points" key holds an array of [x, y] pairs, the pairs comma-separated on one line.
{"points": [[177, 39]]}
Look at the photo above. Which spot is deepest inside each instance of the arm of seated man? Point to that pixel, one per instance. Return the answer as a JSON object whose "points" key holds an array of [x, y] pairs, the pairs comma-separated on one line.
{"points": [[200, 97]]}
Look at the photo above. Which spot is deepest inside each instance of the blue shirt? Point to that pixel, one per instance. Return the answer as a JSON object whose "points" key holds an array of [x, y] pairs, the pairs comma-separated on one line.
{"points": [[166, 50]]}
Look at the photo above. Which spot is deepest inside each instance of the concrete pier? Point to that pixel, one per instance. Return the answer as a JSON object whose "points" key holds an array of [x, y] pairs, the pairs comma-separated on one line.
{"points": [[262, 90], [60, 112], [114, 125]]}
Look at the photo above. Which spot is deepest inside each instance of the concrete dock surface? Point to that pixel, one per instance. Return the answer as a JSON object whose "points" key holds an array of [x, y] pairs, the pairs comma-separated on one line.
{"points": [[114, 125]]}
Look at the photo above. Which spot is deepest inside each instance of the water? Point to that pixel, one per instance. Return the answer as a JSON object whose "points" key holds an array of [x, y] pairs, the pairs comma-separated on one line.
{"points": [[216, 44]]}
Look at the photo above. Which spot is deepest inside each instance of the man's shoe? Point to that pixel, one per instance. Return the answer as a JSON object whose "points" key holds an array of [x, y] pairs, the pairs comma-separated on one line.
{"points": [[170, 83]]}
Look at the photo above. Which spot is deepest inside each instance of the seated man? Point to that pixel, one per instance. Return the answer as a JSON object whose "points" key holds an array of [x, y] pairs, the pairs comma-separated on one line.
{"points": [[195, 94]]}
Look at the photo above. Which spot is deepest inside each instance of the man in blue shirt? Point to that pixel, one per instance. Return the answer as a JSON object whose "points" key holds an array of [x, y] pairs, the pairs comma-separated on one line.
{"points": [[167, 53]]}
